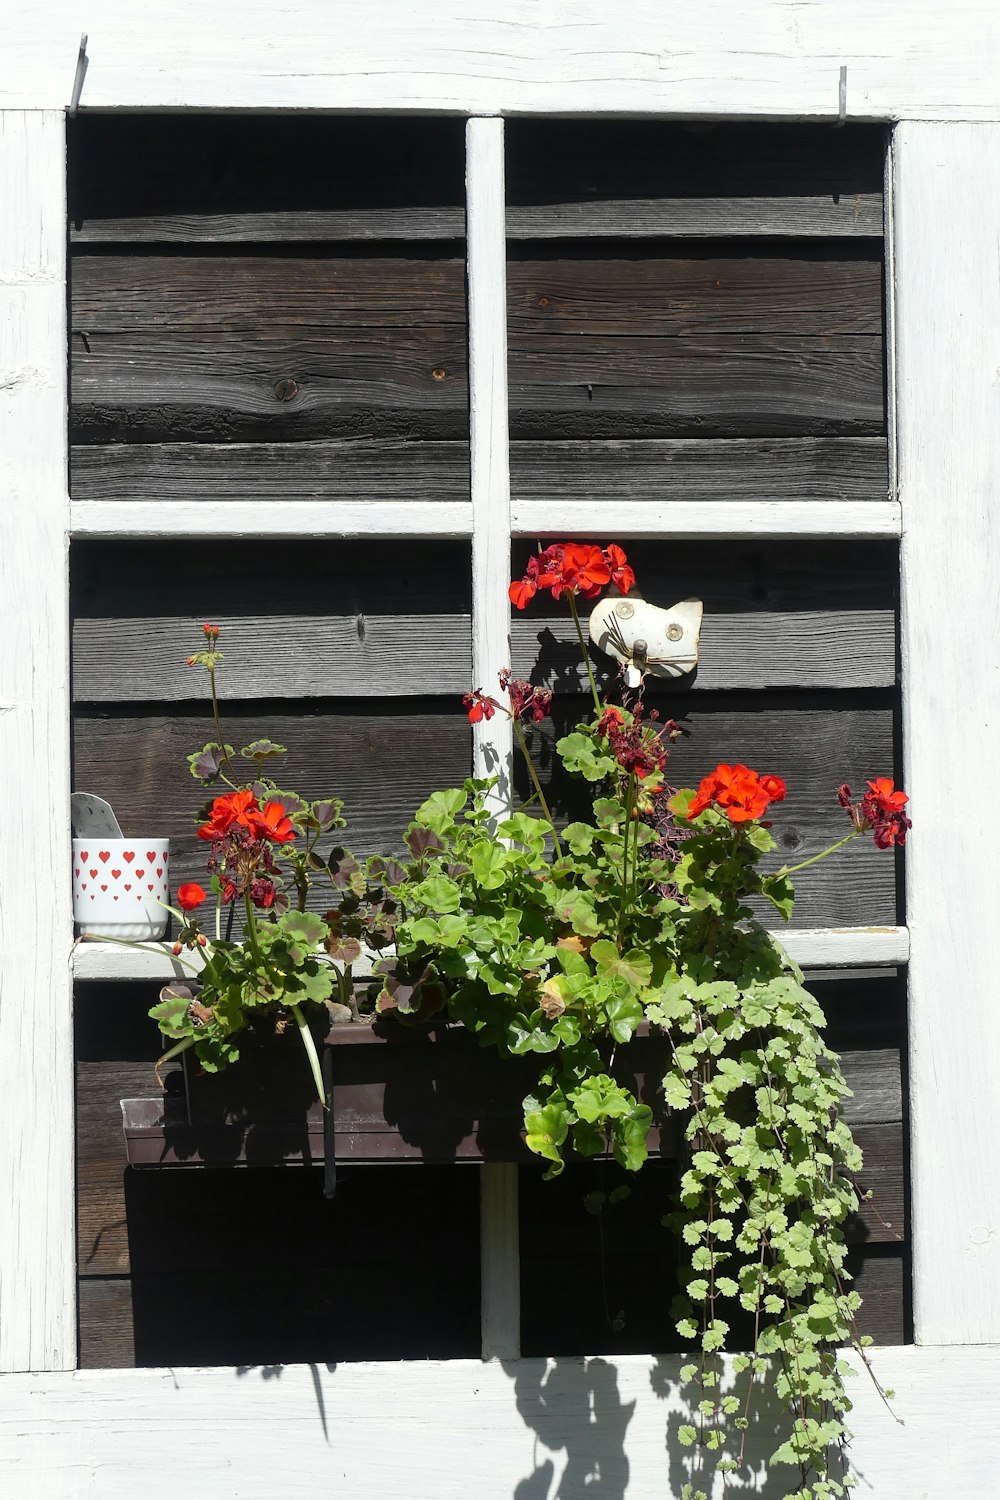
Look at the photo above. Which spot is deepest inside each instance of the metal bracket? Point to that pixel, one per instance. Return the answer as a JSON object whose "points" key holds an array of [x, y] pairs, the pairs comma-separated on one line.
{"points": [[78, 77], [842, 99]]}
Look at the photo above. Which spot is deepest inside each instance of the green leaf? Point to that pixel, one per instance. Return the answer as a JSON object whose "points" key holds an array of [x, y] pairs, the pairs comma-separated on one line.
{"points": [[437, 893], [441, 809], [546, 1132], [260, 750], [439, 932], [579, 753], [489, 866], [206, 763], [780, 892], [624, 1014], [579, 837], [522, 828], [634, 967], [173, 1015], [687, 1436]]}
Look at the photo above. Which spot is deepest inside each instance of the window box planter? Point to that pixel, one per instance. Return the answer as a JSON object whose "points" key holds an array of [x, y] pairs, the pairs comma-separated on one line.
{"points": [[397, 1094]]}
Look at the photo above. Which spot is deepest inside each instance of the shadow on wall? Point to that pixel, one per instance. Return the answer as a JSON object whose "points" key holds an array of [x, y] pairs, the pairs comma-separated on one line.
{"points": [[580, 1421]]}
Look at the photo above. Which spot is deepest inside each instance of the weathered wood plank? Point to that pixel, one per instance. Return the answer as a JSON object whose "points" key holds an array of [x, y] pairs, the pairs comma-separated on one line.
{"points": [[383, 763], [358, 619], [401, 623], [689, 470], [695, 470], [744, 385], [345, 470], [37, 1316], [949, 479], [263, 296], [648, 292], [353, 384]]}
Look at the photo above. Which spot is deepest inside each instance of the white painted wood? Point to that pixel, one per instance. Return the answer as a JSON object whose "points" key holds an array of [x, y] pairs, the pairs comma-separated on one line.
{"points": [[812, 948], [711, 519], [500, 1274], [566, 1427], [37, 1261], [270, 518], [453, 518], [947, 262], [760, 57]]}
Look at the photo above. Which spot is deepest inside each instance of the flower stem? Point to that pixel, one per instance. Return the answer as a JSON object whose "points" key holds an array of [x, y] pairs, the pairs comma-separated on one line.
{"points": [[215, 714], [629, 795], [252, 930], [311, 1053], [791, 869], [586, 654], [537, 784]]}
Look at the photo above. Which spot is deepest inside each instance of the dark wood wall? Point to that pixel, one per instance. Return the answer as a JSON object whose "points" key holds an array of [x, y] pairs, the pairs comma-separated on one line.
{"points": [[274, 309]]}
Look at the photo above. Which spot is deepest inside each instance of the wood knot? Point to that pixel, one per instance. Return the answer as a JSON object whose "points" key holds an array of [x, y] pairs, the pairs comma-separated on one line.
{"points": [[439, 373], [286, 390]]}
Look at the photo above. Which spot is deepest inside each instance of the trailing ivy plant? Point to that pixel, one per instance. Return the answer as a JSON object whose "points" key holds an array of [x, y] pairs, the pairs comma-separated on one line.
{"points": [[562, 942]]}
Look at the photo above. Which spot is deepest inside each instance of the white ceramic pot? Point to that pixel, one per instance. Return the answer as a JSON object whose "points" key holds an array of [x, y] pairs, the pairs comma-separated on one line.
{"points": [[119, 887]]}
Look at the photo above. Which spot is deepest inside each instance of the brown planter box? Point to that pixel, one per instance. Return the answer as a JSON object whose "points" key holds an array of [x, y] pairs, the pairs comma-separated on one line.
{"points": [[398, 1093]]}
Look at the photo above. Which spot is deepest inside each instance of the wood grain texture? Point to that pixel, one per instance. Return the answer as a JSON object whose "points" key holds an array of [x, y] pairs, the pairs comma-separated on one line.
{"points": [[198, 346], [336, 470], [689, 470], [37, 1294], [283, 1430], [400, 620], [363, 618], [744, 385], [949, 477], [499, 1293], [656, 291], [381, 761], [771, 60]]}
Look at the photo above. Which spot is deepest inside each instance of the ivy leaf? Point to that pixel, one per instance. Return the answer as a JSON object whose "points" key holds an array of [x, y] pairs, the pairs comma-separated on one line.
{"points": [[205, 764]]}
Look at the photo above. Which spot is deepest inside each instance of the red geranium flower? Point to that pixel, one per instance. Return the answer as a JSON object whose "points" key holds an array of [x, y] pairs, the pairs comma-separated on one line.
{"points": [[576, 568], [271, 822], [880, 809], [479, 705], [740, 793], [234, 809], [189, 895]]}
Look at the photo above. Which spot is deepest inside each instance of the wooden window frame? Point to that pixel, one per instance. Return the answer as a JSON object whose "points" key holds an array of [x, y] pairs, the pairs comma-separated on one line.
{"points": [[943, 334]]}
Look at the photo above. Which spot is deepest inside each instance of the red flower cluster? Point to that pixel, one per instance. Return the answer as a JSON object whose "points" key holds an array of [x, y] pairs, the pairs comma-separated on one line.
{"points": [[880, 809], [238, 810], [572, 568], [636, 746], [479, 705], [739, 792], [525, 699]]}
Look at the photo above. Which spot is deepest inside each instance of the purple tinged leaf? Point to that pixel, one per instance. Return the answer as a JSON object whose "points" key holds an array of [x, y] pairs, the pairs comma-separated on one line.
{"points": [[262, 750], [345, 950], [422, 841]]}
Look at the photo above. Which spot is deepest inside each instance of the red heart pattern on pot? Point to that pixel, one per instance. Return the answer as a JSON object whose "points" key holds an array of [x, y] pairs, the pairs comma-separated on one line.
{"points": [[140, 874], [159, 869], [116, 869], [93, 874], [128, 886], [104, 855], [128, 855], [150, 855], [85, 855], [116, 873]]}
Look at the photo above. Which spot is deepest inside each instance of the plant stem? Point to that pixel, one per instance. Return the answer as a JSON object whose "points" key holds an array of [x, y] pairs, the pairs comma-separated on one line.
{"points": [[252, 930], [586, 654], [215, 714], [791, 869], [536, 783], [311, 1053], [629, 795]]}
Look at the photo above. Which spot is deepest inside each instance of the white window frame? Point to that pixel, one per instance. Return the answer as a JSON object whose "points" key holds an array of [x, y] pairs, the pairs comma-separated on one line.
{"points": [[64, 1427]]}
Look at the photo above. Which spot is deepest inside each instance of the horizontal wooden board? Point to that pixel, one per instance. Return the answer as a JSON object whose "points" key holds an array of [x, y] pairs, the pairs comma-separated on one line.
{"points": [[351, 469], [355, 619], [364, 174], [697, 470], [815, 744], [132, 387], [651, 291], [744, 385], [263, 296], [383, 763], [690, 470], [806, 216], [297, 619]]}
